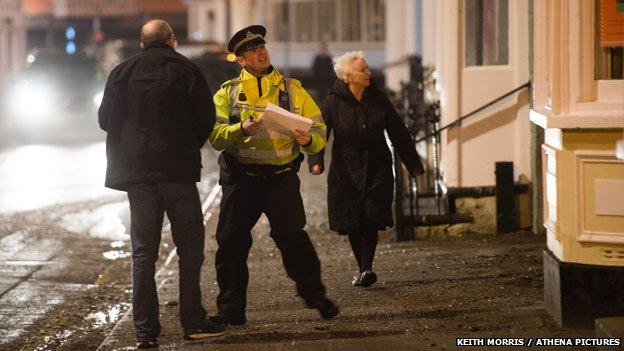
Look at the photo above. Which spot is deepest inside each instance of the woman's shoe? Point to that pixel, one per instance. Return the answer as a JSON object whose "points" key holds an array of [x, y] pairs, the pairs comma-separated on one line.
{"points": [[357, 279], [368, 278], [147, 344]]}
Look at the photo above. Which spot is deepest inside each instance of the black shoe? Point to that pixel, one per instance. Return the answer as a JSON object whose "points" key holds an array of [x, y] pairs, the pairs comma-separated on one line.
{"points": [[208, 329], [147, 344], [368, 278], [224, 320], [357, 279], [325, 306]]}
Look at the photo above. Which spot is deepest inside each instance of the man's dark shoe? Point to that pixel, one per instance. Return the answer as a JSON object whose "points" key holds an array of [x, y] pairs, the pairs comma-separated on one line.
{"points": [[368, 278], [147, 344], [225, 320], [326, 307], [357, 279], [208, 329]]}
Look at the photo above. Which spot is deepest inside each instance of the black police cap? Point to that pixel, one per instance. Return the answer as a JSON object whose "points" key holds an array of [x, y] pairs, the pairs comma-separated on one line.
{"points": [[246, 38]]}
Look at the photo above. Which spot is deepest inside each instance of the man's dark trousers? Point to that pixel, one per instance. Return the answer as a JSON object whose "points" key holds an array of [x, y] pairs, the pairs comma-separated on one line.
{"points": [[242, 204], [148, 203]]}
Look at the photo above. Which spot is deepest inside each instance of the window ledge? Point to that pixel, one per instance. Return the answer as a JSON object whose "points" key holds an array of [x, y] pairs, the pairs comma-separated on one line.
{"points": [[335, 45], [585, 119], [610, 90], [505, 67]]}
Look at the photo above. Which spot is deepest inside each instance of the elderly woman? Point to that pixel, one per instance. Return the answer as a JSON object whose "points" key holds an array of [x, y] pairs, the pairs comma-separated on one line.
{"points": [[360, 181]]}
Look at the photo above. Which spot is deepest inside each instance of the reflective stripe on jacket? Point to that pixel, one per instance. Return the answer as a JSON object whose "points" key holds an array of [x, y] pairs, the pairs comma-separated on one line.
{"points": [[239, 99]]}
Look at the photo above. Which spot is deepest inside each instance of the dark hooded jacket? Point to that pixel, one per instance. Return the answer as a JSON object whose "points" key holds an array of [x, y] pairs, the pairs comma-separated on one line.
{"points": [[360, 183], [157, 111]]}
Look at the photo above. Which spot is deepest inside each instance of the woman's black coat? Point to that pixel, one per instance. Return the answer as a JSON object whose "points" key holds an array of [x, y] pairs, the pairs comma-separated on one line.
{"points": [[360, 180]]}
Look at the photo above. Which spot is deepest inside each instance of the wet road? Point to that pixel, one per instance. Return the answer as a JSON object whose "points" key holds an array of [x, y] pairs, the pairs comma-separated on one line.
{"points": [[60, 231], [35, 176]]}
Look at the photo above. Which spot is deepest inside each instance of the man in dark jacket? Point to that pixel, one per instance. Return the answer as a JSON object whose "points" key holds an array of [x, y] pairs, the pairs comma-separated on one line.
{"points": [[157, 114]]}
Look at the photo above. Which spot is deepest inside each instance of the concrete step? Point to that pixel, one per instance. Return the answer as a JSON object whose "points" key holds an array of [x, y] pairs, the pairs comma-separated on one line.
{"points": [[610, 327]]}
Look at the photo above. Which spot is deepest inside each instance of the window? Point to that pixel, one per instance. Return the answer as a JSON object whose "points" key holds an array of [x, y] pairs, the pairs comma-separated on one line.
{"points": [[304, 30], [486, 29], [210, 18], [279, 18], [350, 20], [326, 21], [609, 63], [375, 14], [6, 44], [310, 21]]}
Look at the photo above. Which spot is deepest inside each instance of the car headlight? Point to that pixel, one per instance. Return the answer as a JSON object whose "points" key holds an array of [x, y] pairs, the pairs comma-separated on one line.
{"points": [[31, 101], [97, 99]]}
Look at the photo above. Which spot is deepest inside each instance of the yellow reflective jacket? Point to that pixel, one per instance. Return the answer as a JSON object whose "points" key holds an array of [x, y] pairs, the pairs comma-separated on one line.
{"points": [[239, 99]]}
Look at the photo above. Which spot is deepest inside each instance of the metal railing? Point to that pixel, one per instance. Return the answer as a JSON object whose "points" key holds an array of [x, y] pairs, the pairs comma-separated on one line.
{"points": [[424, 118], [457, 122]]}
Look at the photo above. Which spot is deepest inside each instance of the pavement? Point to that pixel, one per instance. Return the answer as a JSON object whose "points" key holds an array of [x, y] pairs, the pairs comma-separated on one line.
{"points": [[429, 292]]}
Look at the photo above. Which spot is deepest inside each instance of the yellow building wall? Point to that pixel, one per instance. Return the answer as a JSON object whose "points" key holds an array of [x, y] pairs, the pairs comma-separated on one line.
{"points": [[584, 196]]}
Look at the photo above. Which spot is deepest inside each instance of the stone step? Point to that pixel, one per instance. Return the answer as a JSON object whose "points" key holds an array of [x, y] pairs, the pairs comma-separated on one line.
{"points": [[610, 327]]}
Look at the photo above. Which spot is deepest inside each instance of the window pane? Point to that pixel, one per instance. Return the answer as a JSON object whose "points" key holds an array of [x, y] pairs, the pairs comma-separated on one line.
{"points": [[350, 15], [486, 32], [278, 20], [302, 17], [327, 20], [375, 24]]}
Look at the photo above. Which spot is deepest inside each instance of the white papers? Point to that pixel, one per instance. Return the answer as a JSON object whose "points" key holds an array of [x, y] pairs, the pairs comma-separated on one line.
{"points": [[282, 121]]}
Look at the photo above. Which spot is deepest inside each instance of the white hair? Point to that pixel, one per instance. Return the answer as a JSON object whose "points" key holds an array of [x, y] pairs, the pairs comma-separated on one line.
{"points": [[344, 63]]}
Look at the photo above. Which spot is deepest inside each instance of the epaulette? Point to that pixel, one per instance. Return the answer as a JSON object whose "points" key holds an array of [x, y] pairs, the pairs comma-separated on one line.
{"points": [[234, 81], [295, 81]]}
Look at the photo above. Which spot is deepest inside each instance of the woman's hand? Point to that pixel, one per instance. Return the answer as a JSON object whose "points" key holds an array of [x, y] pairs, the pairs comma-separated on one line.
{"points": [[316, 169], [418, 172], [303, 138]]}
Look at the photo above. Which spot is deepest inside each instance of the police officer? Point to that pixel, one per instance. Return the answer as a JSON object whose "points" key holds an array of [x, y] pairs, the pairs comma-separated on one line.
{"points": [[259, 175]]}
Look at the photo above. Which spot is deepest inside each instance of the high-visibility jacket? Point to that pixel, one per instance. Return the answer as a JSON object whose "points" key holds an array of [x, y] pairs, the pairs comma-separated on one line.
{"points": [[245, 97]]}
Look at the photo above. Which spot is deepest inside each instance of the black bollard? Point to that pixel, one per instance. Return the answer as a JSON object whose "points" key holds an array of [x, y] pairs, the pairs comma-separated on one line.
{"points": [[506, 219]]}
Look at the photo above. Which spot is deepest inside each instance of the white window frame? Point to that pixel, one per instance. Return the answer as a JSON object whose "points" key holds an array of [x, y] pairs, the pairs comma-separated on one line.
{"points": [[566, 94], [500, 78]]}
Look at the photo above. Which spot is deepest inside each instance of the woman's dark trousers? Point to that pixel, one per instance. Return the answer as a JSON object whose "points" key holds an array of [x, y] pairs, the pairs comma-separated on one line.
{"points": [[364, 243], [148, 203]]}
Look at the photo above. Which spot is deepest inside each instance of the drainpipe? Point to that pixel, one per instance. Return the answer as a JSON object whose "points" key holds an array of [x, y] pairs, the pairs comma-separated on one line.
{"points": [[537, 139]]}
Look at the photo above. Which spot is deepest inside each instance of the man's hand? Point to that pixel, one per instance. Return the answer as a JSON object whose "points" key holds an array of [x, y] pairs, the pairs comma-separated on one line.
{"points": [[316, 169], [303, 138], [250, 126]]}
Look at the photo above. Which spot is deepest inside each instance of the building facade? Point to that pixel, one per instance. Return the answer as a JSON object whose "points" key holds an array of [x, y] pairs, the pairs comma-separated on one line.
{"points": [[295, 28], [565, 136], [95, 21], [578, 100], [480, 52]]}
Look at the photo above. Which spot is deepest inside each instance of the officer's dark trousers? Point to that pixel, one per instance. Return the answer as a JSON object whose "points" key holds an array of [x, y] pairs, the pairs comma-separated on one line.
{"points": [[148, 202], [241, 206]]}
